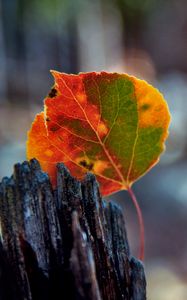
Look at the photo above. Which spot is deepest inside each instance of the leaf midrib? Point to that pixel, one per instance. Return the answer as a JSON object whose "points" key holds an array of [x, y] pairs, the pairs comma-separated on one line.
{"points": [[122, 182]]}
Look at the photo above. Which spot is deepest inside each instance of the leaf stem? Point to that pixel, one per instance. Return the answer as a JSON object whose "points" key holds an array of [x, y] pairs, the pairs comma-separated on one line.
{"points": [[141, 223]]}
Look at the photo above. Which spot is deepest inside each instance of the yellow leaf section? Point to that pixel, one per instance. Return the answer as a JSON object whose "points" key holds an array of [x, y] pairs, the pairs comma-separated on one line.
{"points": [[152, 129], [152, 107]]}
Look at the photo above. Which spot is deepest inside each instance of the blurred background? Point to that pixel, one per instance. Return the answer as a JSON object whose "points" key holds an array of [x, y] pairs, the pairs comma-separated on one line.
{"points": [[146, 38]]}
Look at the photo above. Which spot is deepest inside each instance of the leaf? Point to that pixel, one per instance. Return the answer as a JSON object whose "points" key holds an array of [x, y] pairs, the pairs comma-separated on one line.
{"points": [[113, 125]]}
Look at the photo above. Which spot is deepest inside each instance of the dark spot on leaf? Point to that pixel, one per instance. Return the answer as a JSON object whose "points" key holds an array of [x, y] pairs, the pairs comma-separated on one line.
{"points": [[145, 107], [54, 128], [52, 93], [88, 166], [47, 119]]}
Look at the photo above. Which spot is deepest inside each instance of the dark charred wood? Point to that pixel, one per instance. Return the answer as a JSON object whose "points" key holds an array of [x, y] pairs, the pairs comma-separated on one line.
{"points": [[64, 243]]}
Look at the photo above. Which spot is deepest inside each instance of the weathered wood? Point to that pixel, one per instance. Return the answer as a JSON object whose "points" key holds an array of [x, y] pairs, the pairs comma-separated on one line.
{"points": [[64, 243]]}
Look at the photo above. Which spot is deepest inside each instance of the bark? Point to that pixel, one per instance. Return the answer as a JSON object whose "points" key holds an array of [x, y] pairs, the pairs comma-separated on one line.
{"points": [[63, 243]]}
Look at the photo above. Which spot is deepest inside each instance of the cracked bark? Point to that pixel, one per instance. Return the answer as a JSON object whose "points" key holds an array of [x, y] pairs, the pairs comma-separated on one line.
{"points": [[64, 243]]}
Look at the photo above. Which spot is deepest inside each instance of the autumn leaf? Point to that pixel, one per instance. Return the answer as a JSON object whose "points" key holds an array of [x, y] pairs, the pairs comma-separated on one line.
{"points": [[113, 125]]}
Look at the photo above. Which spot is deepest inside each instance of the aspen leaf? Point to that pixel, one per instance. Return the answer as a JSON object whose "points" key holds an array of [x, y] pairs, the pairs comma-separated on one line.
{"points": [[111, 124]]}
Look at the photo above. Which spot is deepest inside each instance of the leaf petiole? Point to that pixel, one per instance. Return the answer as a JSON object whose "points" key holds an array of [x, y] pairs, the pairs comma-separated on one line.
{"points": [[141, 223]]}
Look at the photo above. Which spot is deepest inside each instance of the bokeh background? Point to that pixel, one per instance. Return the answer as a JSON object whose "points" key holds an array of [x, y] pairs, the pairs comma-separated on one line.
{"points": [[146, 38]]}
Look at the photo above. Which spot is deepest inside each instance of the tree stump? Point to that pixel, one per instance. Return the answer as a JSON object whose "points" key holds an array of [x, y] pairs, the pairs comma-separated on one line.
{"points": [[64, 243]]}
